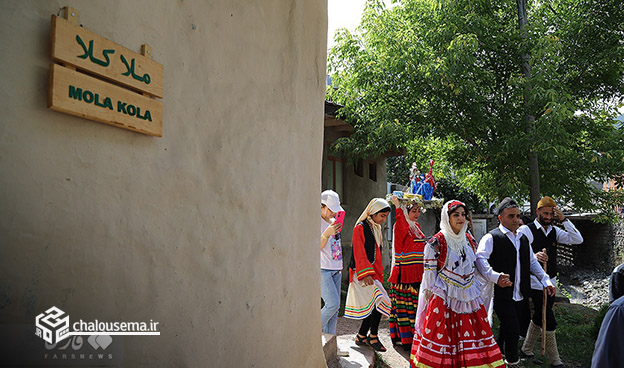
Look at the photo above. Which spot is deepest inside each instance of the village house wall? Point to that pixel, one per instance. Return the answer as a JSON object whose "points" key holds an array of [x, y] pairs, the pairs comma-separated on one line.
{"points": [[211, 230]]}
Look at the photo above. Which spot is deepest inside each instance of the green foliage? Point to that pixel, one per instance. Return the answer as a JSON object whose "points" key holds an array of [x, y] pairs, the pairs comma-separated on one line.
{"points": [[451, 189], [397, 170], [442, 79]]}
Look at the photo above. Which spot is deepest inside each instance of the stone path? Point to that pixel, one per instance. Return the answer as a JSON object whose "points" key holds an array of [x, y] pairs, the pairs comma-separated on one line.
{"points": [[362, 356]]}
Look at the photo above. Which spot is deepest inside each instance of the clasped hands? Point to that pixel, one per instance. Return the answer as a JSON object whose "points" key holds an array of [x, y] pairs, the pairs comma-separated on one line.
{"points": [[504, 281]]}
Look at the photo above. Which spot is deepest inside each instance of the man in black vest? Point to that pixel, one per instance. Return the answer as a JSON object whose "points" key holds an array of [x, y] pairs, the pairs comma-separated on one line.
{"points": [[542, 235], [505, 259]]}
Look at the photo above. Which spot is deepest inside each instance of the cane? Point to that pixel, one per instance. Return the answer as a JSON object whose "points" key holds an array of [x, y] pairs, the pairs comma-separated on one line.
{"points": [[544, 301]]}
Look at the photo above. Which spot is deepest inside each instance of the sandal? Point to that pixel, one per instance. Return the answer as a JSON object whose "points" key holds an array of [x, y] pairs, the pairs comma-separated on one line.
{"points": [[361, 341], [376, 345]]}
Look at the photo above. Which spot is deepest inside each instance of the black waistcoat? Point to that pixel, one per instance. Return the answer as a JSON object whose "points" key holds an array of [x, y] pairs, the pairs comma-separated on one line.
{"points": [[541, 241], [369, 245], [503, 259]]}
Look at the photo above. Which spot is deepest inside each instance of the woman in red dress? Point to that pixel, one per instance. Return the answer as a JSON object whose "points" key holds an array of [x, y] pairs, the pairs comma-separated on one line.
{"points": [[367, 299], [407, 271], [452, 328]]}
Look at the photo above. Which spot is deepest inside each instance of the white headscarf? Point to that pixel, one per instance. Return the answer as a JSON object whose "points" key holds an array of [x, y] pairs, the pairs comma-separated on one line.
{"points": [[374, 206], [456, 242], [414, 229]]}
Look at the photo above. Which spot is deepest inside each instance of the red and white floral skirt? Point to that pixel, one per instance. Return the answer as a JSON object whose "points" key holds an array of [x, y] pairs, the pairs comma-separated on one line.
{"points": [[449, 339]]}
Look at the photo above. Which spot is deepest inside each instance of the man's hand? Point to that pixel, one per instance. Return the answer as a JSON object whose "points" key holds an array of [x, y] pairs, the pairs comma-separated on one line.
{"points": [[559, 214], [504, 281], [542, 257], [551, 290], [368, 280]]}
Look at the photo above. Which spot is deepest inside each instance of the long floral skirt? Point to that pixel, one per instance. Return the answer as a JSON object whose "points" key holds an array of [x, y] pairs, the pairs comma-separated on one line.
{"points": [[449, 339], [404, 298]]}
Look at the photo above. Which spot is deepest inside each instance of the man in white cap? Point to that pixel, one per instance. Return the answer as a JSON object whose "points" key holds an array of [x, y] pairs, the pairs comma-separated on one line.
{"points": [[331, 260]]}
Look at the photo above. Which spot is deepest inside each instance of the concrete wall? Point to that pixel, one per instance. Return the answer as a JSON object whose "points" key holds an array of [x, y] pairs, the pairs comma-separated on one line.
{"points": [[212, 230]]}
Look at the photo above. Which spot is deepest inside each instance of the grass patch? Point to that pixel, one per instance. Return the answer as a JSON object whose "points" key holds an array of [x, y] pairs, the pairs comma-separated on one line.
{"points": [[575, 335]]}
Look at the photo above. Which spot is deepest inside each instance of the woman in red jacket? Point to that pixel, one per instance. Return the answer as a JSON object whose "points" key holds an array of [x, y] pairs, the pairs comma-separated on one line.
{"points": [[407, 271], [367, 299]]}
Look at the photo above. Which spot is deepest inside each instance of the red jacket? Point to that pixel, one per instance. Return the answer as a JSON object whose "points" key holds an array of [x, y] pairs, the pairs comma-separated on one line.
{"points": [[408, 252], [363, 266]]}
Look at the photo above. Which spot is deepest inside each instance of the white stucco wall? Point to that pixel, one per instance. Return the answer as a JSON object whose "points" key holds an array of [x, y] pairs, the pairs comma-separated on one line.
{"points": [[212, 230]]}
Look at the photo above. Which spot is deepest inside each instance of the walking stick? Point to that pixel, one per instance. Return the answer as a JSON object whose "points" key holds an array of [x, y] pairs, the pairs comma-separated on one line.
{"points": [[544, 301]]}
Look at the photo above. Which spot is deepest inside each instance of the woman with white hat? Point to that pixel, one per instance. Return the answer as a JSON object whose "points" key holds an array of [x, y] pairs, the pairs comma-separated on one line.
{"points": [[331, 260]]}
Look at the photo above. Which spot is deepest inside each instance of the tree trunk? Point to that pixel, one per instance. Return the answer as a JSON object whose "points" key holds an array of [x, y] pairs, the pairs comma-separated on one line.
{"points": [[534, 176]]}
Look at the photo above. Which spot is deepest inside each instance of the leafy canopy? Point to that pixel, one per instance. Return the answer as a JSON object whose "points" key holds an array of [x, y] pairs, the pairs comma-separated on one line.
{"points": [[442, 79]]}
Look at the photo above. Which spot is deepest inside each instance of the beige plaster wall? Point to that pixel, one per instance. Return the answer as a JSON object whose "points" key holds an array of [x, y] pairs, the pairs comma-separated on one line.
{"points": [[212, 230]]}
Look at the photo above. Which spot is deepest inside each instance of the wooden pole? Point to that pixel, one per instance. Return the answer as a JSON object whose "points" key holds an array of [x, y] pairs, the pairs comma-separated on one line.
{"points": [[544, 301]]}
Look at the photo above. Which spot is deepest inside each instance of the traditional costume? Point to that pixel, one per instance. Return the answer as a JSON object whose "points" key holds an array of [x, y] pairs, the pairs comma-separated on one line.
{"points": [[408, 245], [546, 237], [366, 261], [367, 302], [503, 252], [452, 328]]}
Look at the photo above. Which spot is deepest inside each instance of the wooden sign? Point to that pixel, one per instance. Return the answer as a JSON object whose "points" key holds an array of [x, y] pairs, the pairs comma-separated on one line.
{"points": [[85, 50], [78, 94]]}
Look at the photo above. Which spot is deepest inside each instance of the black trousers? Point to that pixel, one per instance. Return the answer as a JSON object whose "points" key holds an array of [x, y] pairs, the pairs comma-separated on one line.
{"points": [[512, 316], [538, 303], [370, 323]]}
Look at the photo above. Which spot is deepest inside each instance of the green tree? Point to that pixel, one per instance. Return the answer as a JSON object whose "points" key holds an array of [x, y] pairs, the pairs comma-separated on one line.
{"points": [[443, 80]]}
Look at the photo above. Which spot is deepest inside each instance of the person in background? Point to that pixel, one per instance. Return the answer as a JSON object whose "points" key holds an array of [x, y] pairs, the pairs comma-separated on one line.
{"points": [[542, 235], [452, 328], [616, 283], [608, 352], [367, 299], [505, 259], [408, 245], [609, 348], [331, 260]]}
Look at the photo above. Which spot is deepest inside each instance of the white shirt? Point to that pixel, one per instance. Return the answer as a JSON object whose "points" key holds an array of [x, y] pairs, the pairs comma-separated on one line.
{"points": [[486, 246], [568, 236], [331, 254]]}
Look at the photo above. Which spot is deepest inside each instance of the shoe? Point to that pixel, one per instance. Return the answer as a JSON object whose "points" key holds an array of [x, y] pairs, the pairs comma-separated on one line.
{"points": [[376, 345], [407, 348], [513, 365], [531, 358], [342, 353], [361, 341]]}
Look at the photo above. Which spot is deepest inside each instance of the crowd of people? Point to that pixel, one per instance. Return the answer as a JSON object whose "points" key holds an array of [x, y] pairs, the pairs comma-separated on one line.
{"points": [[445, 287]]}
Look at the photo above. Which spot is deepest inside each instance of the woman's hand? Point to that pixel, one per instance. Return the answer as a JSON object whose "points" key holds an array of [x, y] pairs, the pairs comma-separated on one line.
{"points": [[504, 281], [368, 280], [395, 201], [332, 229]]}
